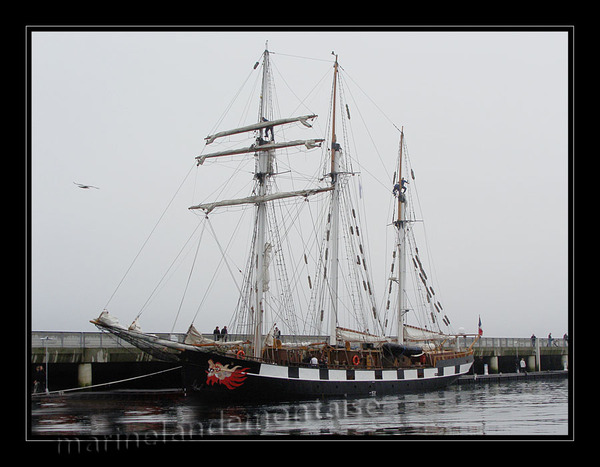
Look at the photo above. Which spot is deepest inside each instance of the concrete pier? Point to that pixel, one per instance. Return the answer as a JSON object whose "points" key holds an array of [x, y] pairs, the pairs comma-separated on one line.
{"points": [[81, 359], [493, 364], [503, 354], [84, 374]]}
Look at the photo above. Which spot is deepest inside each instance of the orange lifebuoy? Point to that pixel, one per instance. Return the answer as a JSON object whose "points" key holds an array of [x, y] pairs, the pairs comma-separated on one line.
{"points": [[356, 360], [240, 354]]}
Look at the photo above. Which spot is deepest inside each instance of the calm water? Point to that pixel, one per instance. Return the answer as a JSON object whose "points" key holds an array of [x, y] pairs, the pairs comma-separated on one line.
{"points": [[509, 409]]}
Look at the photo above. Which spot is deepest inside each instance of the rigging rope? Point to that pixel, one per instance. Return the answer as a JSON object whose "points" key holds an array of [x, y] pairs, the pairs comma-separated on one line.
{"points": [[149, 235], [165, 274], [189, 277], [223, 259], [372, 101], [223, 253], [300, 56], [231, 102], [61, 391]]}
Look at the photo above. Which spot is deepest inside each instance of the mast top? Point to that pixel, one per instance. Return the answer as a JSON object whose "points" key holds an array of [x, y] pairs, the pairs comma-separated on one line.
{"points": [[400, 185], [334, 145], [335, 73]]}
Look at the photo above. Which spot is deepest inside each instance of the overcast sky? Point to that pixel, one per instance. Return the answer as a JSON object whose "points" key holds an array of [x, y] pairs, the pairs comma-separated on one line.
{"points": [[485, 116]]}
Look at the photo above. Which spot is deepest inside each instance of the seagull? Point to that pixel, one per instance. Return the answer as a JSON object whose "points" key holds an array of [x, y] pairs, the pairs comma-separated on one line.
{"points": [[86, 186]]}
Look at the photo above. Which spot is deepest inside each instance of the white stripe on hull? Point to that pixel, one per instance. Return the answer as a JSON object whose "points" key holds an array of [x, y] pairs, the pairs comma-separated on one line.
{"points": [[315, 374]]}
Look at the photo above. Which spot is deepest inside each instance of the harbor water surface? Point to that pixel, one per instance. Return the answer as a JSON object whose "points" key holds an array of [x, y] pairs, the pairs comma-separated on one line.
{"points": [[514, 409]]}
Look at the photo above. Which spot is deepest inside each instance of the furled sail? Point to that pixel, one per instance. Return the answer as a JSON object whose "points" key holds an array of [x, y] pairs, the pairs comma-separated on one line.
{"points": [[208, 207], [415, 334], [267, 262], [257, 126], [350, 335], [109, 320], [163, 349], [194, 338], [309, 143]]}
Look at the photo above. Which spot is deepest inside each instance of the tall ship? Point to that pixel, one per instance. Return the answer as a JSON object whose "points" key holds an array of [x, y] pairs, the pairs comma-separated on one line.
{"points": [[307, 321]]}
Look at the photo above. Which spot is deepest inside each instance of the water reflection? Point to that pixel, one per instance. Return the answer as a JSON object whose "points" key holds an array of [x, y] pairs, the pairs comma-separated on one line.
{"points": [[519, 408]]}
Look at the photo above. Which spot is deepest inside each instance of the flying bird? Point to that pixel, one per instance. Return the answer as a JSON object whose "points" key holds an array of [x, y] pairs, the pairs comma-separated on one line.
{"points": [[86, 186]]}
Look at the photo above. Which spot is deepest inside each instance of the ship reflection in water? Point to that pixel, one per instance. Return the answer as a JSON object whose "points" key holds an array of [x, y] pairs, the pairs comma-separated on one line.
{"points": [[514, 409]]}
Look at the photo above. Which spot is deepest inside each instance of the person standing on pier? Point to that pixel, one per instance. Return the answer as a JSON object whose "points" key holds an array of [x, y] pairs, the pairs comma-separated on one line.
{"points": [[39, 379]]}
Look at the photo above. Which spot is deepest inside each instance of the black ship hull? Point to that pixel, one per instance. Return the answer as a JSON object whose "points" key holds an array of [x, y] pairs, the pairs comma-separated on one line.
{"points": [[213, 375]]}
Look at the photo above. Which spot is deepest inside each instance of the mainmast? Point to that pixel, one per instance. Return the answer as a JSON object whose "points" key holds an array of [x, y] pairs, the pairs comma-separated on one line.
{"points": [[335, 207], [400, 223]]}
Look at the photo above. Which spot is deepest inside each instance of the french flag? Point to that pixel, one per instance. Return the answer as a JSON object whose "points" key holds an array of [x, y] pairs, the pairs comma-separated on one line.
{"points": [[480, 330]]}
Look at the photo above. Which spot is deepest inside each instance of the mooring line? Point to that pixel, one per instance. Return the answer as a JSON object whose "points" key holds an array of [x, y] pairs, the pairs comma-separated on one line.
{"points": [[105, 384]]}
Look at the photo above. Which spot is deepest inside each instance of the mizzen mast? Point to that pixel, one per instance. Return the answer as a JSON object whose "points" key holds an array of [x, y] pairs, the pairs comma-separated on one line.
{"points": [[400, 224]]}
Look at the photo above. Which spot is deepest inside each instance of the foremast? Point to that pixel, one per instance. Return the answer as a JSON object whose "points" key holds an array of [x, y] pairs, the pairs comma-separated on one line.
{"points": [[263, 171], [264, 150]]}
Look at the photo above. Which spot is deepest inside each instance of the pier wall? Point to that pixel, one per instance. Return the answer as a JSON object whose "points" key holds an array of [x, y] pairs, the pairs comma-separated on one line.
{"points": [[79, 359], [503, 354]]}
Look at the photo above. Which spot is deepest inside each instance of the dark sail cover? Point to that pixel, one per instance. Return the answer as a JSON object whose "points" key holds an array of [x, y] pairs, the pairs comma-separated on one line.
{"points": [[396, 350]]}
